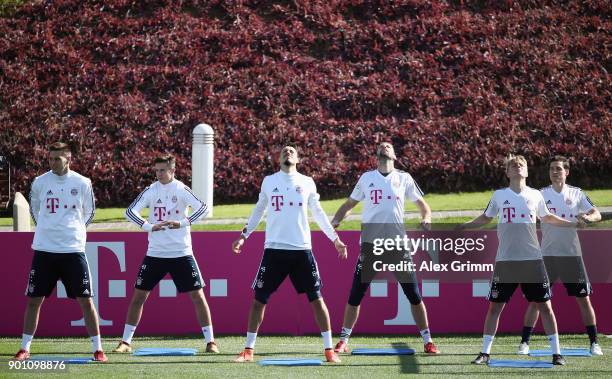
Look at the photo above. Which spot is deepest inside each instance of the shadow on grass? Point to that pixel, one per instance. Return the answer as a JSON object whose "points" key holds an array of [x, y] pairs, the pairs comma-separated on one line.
{"points": [[408, 363]]}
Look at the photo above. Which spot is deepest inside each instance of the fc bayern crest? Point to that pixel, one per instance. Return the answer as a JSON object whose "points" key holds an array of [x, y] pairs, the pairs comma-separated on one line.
{"points": [[568, 202], [74, 192], [298, 189], [174, 199]]}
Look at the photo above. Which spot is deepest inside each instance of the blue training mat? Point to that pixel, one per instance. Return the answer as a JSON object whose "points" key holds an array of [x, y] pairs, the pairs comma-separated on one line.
{"points": [[383, 351], [519, 363], [163, 351], [579, 352], [290, 362], [70, 360]]}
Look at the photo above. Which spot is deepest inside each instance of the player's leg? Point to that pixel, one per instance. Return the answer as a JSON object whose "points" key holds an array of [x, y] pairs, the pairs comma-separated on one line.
{"points": [[577, 284], [187, 278], [529, 321], [499, 294], [359, 287], [75, 274], [41, 282], [305, 278], [588, 317], [90, 315], [272, 271], [151, 271], [408, 282]]}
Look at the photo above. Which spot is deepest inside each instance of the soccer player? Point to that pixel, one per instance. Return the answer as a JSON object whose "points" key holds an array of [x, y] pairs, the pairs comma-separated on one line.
{"points": [[384, 191], [62, 205], [169, 251], [519, 258], [562, 252], [287, 251]]}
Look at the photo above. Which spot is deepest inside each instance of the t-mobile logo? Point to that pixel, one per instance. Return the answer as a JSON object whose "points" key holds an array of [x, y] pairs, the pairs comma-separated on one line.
{"points": [[376, 196], [277, 202], [52, 203], [159, 213], [509, 214]]}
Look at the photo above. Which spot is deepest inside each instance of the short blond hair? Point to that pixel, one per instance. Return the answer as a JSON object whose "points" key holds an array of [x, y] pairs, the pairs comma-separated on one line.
{"points": [[514, 158]]}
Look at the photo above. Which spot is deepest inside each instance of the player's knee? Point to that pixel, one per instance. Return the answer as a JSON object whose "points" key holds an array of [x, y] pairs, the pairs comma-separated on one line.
{"points": [[313, 295], [411, 290], [356, 296], [35, 302], [262, 296], [197, 295], [85, 302]]}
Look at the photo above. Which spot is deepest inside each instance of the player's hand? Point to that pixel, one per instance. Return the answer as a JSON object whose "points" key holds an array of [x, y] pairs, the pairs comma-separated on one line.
{"points": [[172, 224], [237, 245], [341, 248], [583, 217], [158, 227], [426, 225], [335, 223]]}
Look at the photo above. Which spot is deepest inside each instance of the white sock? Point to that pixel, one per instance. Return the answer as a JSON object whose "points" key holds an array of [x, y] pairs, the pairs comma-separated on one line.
{"points": [[426, 336], [487, 342], [209, 336], [250, 342], [554, 343], [96, 343], [345, 334], [26, 341], [327, 339], [128, 333]]}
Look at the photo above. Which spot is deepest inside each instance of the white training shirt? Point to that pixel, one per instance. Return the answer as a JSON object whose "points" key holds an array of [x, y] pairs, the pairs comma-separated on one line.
{"points": [[567, 204], [61, 207], [516, 223], [384, 196], [285, 197], [167, 202]]}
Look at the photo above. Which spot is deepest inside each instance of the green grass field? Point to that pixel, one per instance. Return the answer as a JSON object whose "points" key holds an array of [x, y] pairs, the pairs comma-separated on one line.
{"points": [[457, 352]]}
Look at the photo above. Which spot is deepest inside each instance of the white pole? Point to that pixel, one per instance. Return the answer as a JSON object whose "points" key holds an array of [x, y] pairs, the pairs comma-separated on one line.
{"points": [[202, 164], [21, 214]]}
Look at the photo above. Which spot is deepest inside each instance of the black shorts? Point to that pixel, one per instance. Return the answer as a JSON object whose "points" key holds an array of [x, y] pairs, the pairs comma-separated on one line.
{"points": [[571, 272], [364, 274], [71, 268], [184, 271], [531, 275], [276, 264]]}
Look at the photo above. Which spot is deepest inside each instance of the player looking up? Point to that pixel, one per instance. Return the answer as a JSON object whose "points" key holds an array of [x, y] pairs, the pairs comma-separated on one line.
{"points": [[286, 196], [383, 192]]}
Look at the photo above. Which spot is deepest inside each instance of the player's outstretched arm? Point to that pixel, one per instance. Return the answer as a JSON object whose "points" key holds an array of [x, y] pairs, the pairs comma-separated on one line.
{"points": [[343, 211], [475, 223], [425, 211], [558, 221], [251, 225], [591, 216]]}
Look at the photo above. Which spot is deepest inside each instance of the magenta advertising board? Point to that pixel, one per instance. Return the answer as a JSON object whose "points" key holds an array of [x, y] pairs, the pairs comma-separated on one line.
{"points": [[456, 304]]}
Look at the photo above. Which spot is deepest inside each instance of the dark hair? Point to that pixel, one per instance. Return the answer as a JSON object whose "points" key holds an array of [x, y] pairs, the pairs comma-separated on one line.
{"points": [[167, 159], [564, 161], [60, 146]]}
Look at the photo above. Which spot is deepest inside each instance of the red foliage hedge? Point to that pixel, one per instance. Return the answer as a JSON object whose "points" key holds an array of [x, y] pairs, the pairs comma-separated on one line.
{"points": [[455, 85]]}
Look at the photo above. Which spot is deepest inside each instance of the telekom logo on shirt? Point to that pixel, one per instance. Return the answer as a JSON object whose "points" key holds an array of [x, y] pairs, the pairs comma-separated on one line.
{"points": [[52, 203], [509, 213], [277, 202], [159, 212], [376, 196]]}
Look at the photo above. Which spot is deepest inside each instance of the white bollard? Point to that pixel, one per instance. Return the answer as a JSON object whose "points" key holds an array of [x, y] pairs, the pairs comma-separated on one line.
{"points": [[21, 214], [202, 164]]}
